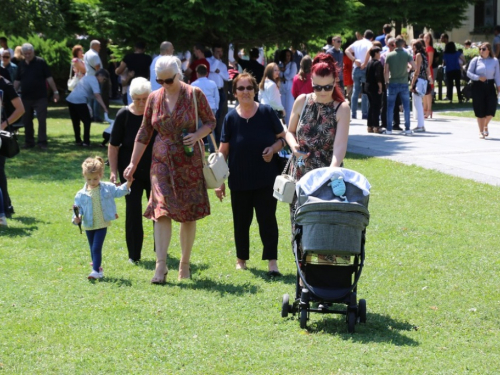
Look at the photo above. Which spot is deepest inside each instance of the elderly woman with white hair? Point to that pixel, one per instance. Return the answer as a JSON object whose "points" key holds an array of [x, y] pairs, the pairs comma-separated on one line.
{"points": [[127, 123], [178, 189]]}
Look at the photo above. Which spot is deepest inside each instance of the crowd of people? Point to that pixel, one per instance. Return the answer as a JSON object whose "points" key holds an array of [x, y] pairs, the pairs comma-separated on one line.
{"points": [[175, 100]]}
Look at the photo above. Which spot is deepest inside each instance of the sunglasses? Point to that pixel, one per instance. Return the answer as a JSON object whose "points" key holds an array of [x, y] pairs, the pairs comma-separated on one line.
{"points": [[318, 88], [5, 57], [243, 88], [483, 49], [167, 81], [338, 41]]}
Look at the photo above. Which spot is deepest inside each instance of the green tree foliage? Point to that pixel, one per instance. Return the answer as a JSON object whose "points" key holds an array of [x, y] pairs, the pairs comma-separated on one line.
{"points": [[246, 22], [25, 17], [438, 15]]}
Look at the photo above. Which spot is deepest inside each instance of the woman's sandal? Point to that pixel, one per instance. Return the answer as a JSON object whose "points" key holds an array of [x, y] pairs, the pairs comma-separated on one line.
{"points": [[486, 132], [241, 266], [160, 280], [481, 135], [184, 271]]}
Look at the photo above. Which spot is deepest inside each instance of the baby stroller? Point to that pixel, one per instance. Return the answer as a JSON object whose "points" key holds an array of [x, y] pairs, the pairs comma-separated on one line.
{"points": [[329, 244]]}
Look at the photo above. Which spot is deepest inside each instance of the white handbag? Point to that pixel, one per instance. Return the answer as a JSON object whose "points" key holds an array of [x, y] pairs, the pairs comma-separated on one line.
{"points": [[73, 79], [215, 170], [284, 186]]}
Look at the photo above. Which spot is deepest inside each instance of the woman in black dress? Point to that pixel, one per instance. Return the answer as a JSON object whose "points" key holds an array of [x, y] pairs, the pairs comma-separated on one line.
{"points": [[127, 123]]}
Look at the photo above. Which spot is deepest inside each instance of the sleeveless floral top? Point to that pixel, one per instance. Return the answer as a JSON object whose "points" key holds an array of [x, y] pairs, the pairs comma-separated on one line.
{"points": [[315, 134]]}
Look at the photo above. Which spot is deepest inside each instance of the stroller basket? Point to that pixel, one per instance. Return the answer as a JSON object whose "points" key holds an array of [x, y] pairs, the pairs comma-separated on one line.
{"points": [[332, 227]]}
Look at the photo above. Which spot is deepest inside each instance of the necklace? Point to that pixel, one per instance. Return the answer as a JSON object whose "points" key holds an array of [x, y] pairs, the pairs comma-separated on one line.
{"points": [[249, 117]]}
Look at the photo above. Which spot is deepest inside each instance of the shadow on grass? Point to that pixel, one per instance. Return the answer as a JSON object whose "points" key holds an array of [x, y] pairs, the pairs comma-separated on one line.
{"points": [[286, 278], [117, 281], [172, 263], [378, 328], [221, 288], [31, 225]]}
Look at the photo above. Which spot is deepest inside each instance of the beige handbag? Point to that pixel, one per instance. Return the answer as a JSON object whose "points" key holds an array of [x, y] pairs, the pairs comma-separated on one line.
{"points": [[284, 185], [215, 170]]}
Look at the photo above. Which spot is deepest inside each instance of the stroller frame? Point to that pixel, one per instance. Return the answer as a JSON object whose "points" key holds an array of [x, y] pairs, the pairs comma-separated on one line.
{"points": [[328, 283]]}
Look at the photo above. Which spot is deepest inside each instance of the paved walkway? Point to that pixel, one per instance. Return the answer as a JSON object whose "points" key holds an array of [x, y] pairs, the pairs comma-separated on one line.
{"points": [[450, 145]]}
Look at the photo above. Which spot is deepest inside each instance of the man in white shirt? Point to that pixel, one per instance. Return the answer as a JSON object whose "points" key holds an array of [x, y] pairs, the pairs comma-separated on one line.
{"points": [[5, 47], [210, 90], [91, 58], [357, 52], [166, 49], [220, 75]]}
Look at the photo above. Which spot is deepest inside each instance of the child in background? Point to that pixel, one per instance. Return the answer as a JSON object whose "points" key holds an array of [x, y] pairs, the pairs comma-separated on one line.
{"points": [[97, 208]]}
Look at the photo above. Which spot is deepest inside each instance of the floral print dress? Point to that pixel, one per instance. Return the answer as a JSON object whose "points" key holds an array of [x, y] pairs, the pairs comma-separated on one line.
{"points": [[178, 189], [315, 134]]}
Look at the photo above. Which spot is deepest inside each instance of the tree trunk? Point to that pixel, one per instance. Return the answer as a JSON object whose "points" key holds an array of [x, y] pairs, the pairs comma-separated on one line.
{"points": [[398, 27]]}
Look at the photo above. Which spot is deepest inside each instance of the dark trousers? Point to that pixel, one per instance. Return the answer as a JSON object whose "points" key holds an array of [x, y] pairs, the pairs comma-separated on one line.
{"points": [[3, 185], [396, 121], [453, 77], [134, 232], [375, 100], [243, 204], [80, 112], [30, 106], [96, 239]]}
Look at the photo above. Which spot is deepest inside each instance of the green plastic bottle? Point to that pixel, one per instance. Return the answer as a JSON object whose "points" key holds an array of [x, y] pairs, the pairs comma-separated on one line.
{"points": [[189, 151]]}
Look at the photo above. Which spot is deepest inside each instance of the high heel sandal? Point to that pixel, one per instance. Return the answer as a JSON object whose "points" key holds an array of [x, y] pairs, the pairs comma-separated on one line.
{"points": [[160, 280], [184, 271]]}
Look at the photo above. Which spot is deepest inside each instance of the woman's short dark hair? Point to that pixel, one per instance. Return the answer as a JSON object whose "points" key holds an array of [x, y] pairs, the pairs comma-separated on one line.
{"points": [[245, 75], [450, 48], [102, 73], [374, 50], [420, 46]]}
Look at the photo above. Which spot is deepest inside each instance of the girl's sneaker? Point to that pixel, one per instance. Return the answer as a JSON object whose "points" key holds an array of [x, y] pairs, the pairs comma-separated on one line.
{"points": [[95, 275], [3, 221]]}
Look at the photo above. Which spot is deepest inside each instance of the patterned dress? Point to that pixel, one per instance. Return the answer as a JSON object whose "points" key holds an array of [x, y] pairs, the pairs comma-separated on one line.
{"points": [[178, 188], [315, 134]]}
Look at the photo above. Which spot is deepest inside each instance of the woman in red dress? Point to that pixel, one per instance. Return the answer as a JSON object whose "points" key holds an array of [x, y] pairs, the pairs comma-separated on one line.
{"points": [[429, 49], [178, 190]]}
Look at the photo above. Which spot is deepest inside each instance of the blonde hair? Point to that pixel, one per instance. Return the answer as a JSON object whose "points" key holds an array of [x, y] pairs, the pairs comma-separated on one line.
{"points": [[93, 165]]}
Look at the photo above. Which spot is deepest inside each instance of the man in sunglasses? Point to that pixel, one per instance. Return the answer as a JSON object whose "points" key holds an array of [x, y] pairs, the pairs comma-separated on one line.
{"points": [[338, 56], [9, 65]]}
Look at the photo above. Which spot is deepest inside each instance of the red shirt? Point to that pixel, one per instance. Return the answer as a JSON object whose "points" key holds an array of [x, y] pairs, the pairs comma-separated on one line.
{"points": [[193, 66], [348, 71], [301, 87]]}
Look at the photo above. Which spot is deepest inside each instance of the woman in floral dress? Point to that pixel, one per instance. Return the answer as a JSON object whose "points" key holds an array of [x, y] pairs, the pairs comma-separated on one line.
{"points": [[178, 190], [319, 123]]}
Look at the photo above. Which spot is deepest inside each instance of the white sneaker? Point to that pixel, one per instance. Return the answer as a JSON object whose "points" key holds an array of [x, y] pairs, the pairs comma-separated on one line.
{"points": [[407, 132], [95, 275], [388, 132], [131, 261], [3, 221]]}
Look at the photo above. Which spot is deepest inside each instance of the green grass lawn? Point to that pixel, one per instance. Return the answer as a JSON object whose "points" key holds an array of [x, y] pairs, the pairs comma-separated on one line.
{"points": [[430, 280]]}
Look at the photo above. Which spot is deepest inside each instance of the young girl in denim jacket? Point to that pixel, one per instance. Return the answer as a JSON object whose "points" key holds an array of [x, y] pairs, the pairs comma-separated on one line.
{"points": [[97, 208]]}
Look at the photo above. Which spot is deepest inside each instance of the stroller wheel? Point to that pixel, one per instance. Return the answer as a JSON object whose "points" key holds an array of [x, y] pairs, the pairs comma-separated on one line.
{"points": [[304, 296], [285, 306], [362, 310], [351, 321], [303, 318]]}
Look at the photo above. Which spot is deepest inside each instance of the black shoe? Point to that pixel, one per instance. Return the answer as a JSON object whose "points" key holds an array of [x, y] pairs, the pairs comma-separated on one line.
{"points": [[9, 211], [27, 146], [396, 127], [274, 274], [42, 146]]}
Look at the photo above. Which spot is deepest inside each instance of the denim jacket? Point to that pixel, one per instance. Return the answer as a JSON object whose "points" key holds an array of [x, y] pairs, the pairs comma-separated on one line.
{"points": [[109, 192]]}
